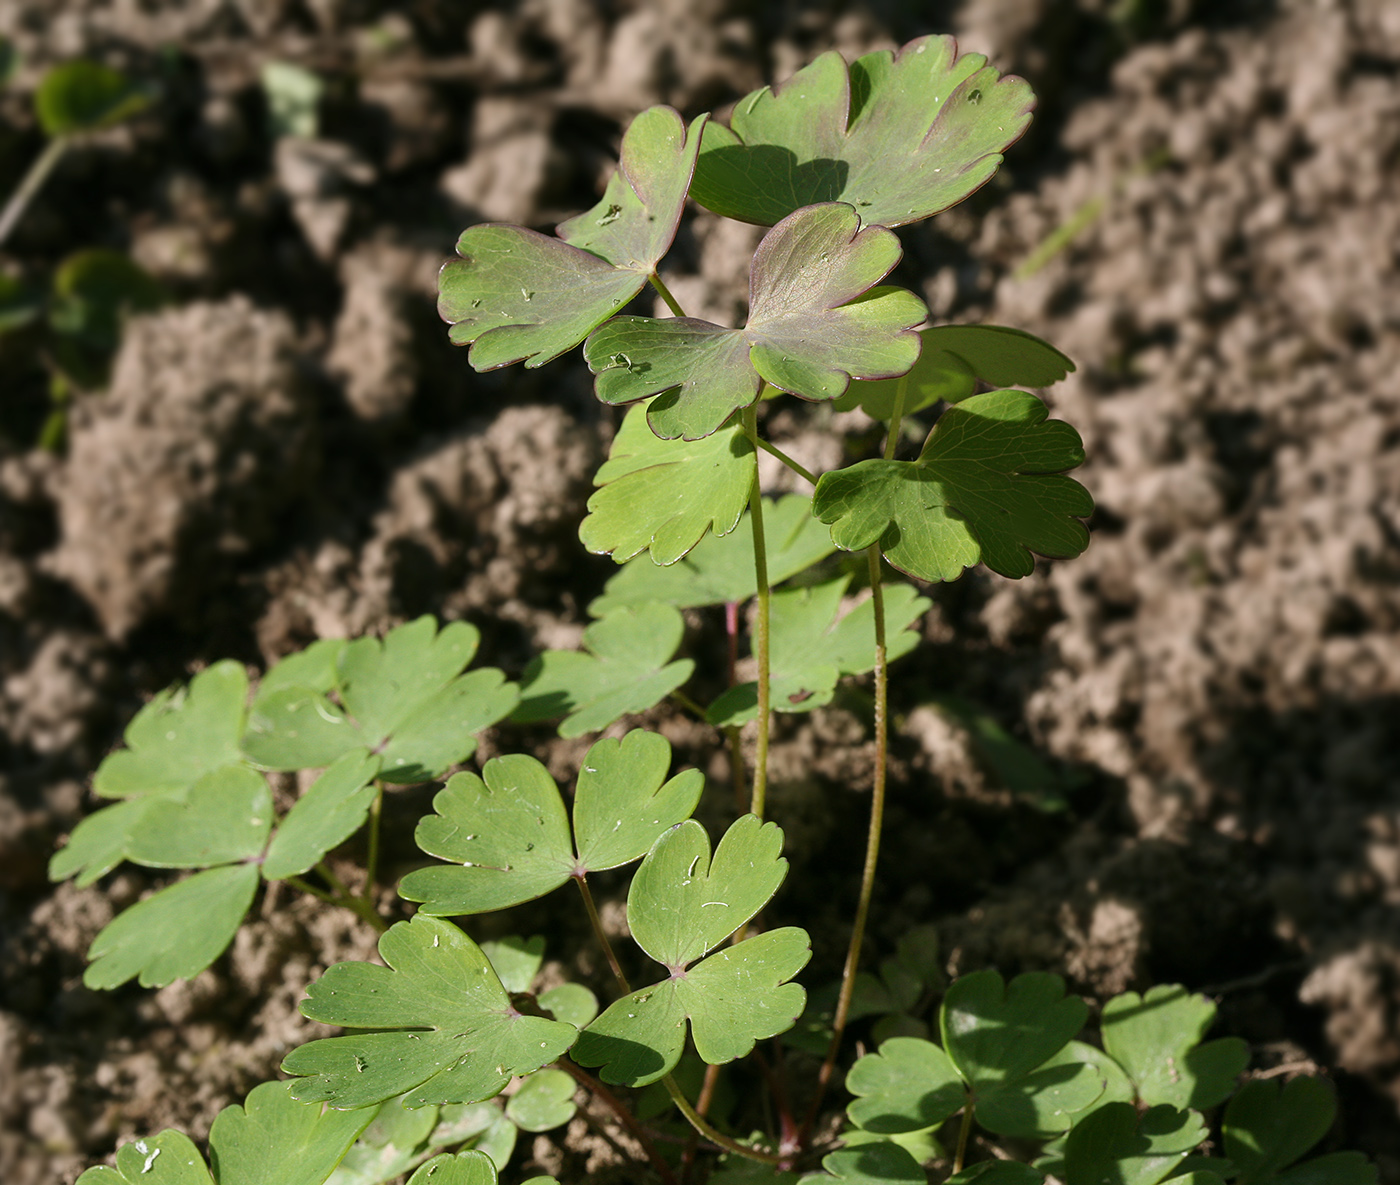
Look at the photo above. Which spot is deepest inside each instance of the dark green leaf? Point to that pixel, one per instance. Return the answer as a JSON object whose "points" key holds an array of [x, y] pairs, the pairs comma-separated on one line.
{"points": [[996, 1032], [19, 304], [274, 1140], [1338, 1168], [815, 322], [84, 96], [663, 495], [900, 137], [94, 291], [1114, 1143], [883, 1163], [324, 817], [1045, 1101], [175, 933], [997, 1172], [517, 295], [1269, 1126], [987, 486], [1156, 1038], [624, 668], [515, 960], [445, 1031], [720, 568], [907, 1086], [544, 1101]]}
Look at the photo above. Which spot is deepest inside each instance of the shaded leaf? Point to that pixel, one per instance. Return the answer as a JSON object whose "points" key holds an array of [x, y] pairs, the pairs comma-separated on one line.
{"points": [[274, 1140], [82, 96], [664, 495], [812, 646], [883, 1163], [1114, 1143], [293, 99], [907, 1086], [816, 320], [175, 933], [1269, 1125], [623, 668], [544, 1101], [19, 303], [720, 568], [396, 1142], [997, 1172], [899, 136], [517, 295], [329, 813], [444, 1028], [1045, 1101], [223, 817], [987, 487], [516, 960], [996, 1032], [1156, 1038], [572, 1003]]}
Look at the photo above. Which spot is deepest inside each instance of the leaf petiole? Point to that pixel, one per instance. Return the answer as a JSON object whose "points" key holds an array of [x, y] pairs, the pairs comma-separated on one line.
{"points": [[806, 474], [624, 1116], [597, 923], [665, 293], [376, 810], [759, 795], [699, 1123]]}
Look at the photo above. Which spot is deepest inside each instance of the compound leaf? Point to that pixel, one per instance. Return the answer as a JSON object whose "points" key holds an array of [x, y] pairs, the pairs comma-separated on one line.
{"points": [[624, 668], [225, 816], [719, 569], [324, 817], [175, 933], [812, 646], [1268, 1127], [167, 1159], [84, 96], [882, 1163], [988, 485], [444, 1028], [953, 358], [274, 1140], [816, 320], [1114, 1143], [1156, 1039], [663, 495], [996, 1032], [461, 1168], [898, 136], [544, 1101], [179, 736], [907, 1086], [517, 295]]}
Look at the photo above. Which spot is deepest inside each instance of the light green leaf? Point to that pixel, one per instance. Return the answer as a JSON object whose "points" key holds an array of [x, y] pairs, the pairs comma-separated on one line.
{"points": [[517, 295], [988, 485], [1156, 1038], [544, 1101], [293, 99], [274, 1140], [81, 96], [324, 817], [683, 904], [623, 669], [816, 320], [497, 1139], [900, 137], [175, 933], [953, 358], [225, 816], [572, 1003], [516, 960], [907, 1086], [812, 646], [1045, 1101], [1268, 1126], [167, 1159], [1113, 1143], [98, 843], [179, 736], [394, 1143], [663, 495], [883, 1163], [314, 668], [997, 1032], [405, 699], [445, 1031], [463, 1168], [923, 1146], [720, 568], [510, 836]]}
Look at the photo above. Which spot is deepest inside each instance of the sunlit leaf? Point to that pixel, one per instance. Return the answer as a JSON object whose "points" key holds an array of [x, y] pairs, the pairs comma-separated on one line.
{"points": [[907, 1086], [223, 817], [331, 811], [997, 1032], [274, 1140]]}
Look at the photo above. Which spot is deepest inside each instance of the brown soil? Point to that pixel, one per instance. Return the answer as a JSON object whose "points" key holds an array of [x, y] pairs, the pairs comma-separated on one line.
{"points": [[294, 451]]}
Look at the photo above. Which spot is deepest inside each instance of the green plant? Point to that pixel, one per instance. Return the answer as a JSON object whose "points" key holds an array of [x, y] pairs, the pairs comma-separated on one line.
{"points": [[445, 1027]]}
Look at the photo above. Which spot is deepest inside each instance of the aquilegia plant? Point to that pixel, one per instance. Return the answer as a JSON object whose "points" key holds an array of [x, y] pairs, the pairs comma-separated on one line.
{"points": [[444, 1029]]}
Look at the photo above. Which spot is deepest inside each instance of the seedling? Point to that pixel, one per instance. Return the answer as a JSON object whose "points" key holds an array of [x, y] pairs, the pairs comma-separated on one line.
{"points": [[832, 161]]}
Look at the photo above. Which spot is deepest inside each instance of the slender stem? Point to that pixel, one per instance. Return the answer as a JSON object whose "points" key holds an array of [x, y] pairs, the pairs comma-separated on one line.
{"points": [[702, 1107], [597, 924], [38, 173], [376, 810], [759, 796], [964, 1130], [872, 842], [892, 440], [689, 704], [806, 474], [671, 302], [624, 1116], [320, 894], [344, 897], [698, 1122]]}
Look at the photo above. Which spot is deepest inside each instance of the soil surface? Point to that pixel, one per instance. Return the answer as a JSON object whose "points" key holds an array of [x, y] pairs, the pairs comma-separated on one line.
{"points": [[292, 450]]}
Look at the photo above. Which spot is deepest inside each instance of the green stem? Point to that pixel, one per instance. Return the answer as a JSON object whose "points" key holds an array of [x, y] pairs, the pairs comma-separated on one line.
{"points": [[358, 905], [758, 799], [689, 705], [697, 1121], [671, 302], [376, 810], [33, 180], [872, 842], [597, 923], [806, 474], [964, 1131], [320, 894], [624, 1116], [892, 440]]}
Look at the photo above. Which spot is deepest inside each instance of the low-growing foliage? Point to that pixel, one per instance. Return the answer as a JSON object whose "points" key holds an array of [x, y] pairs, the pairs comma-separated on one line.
{"points": [[444, 1029]]}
